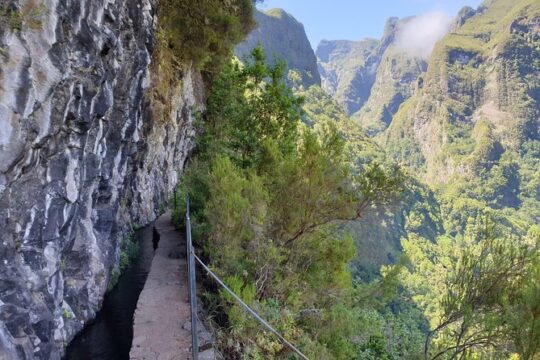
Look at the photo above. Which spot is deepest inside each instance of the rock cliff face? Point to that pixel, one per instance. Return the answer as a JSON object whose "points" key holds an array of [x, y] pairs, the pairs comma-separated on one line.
{"points": [[398, 78], [82, 159], [480, 100], [370, 78], [283, 36], [348, 70]]}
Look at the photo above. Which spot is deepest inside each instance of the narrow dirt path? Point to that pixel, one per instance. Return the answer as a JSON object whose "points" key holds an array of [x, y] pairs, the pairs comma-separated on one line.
{"points": [[163, 305]]}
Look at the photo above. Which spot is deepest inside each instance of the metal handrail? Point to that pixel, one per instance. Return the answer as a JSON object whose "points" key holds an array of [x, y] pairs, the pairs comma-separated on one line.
{"points": [[193, 299], [192, 286]]}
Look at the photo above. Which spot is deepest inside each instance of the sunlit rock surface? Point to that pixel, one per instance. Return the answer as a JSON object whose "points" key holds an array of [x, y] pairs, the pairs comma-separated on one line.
{"points": [[81, 160]]}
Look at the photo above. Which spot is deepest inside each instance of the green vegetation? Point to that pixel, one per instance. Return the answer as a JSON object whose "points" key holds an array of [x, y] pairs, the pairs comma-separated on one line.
{"points": [[113, 279], [466, 94], [296, 208], [278, 13], [193, 34], [483, 33], [269, 197], [480, 292], [413, 209], [352, 63], [30, 14], [321, 111], [394, 83], [67, 314], [129, 250], [202, 32], [9, 18], [474, 283]]}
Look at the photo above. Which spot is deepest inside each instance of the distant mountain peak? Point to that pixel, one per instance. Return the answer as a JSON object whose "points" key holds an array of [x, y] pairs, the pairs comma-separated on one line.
{"points": [[349, 71], [280, 14], [282, 36]]}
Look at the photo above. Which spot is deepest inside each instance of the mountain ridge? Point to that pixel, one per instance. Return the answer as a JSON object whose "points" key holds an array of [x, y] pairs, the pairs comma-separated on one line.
{"points": [[348, 68], [283, 37], [395, 106]]}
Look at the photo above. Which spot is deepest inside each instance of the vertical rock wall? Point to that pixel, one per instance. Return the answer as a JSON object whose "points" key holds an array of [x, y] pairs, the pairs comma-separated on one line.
{"points": [[283, 37], [81, 159]]}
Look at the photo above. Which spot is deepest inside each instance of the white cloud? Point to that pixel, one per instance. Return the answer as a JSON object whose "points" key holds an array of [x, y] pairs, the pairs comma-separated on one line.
{"points": [[418, 36]]}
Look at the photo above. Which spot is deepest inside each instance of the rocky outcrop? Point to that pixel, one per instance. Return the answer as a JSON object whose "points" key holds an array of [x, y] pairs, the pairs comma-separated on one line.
{"points": [[348, 70], [82, 159], [484, 74], [398, 76], [464, 14], [370, 78], [284, 37]]}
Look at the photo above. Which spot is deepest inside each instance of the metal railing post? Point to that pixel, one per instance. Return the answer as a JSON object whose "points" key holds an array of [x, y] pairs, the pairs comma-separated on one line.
{"points": [[192, 286], [192, 257]]}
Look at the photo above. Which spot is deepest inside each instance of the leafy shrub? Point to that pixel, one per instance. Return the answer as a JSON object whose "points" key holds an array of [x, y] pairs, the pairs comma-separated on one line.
{"points": [[479, 291], [129, 250], [269, 196], [67, 314], [203, 31], [197, 34]]}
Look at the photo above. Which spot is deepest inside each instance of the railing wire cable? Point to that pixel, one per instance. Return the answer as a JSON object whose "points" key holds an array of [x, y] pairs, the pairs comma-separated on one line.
{"points": [[249, 309], [192, 287], [193, 299]]}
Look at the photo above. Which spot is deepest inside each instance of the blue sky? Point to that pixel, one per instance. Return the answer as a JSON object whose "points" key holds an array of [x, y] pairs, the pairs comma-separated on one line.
{"points": [[356, 19]]}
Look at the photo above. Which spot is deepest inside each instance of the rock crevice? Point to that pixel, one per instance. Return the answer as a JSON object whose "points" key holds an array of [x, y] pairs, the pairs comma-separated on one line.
{"points": [[82, 160]]}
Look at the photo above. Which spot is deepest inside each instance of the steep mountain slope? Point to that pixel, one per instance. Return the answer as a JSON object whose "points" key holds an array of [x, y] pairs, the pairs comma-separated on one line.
{"points": [[370, 78], [284, 37], [475, 123], [84, 158], [348, 70], [378, 233], [398, 77], [466, 118]]}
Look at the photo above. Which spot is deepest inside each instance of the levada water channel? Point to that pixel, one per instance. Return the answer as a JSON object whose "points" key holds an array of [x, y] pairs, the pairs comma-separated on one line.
{"points": [[110, 335]]}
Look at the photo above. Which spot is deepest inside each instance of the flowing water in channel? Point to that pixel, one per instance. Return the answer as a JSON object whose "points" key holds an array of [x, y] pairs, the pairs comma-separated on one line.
{"points": [[109, 336]]}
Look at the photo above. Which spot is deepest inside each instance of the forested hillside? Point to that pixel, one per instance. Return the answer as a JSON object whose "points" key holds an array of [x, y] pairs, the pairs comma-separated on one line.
{"points": [[372, 199], [465, 120], [389, 214]]}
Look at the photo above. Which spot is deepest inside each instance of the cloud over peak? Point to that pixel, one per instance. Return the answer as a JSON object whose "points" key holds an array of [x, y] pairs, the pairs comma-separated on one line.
{"points": [[418, 36]]}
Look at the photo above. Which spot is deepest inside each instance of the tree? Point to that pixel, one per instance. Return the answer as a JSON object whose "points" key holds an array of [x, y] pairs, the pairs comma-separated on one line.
{"points": [[269, 198], [203, 32], [522, 312], [378, 186], [250, 104], [468, 286]]}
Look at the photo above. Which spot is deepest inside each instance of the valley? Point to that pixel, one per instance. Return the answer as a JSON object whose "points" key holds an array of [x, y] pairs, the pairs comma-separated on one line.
{"points": [[370, 198]]}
